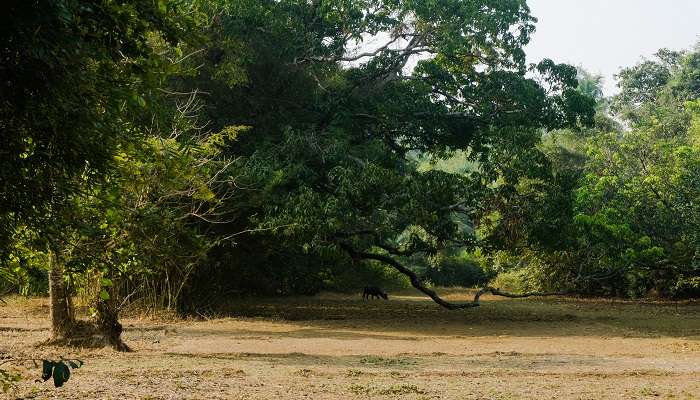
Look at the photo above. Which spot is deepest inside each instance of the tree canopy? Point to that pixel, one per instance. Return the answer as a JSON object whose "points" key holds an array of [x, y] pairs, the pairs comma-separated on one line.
{"points": [[339, 95], [76, 77]]}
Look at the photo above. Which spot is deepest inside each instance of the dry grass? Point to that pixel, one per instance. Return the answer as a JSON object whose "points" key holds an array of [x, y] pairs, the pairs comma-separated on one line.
{"points": [[339, 347]]}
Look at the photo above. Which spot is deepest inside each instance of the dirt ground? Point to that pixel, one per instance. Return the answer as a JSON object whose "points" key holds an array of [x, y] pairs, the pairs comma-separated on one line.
{"points": [[340, 347]]}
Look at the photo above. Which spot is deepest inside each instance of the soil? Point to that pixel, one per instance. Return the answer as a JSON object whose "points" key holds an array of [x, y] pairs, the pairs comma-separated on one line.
{"points": [[341, 347]]}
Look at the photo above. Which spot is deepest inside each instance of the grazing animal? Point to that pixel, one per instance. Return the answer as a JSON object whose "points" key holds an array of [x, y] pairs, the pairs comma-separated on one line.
{"points": [[374, 292]]}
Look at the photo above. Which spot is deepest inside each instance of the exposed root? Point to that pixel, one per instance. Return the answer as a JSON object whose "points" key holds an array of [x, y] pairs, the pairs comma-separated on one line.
{"points": [[89, 335]]}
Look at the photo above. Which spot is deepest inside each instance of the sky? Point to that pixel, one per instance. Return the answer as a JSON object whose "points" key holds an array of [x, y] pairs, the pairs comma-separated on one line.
{"points": [[604, 35]]}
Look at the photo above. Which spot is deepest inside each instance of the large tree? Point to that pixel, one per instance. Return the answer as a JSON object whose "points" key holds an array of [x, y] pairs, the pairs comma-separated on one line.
{"points": [[622, 202], [341, 95], [76, 78]]}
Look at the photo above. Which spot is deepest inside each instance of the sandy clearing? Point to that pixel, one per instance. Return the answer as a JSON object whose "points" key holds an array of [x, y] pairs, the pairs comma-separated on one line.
{"points": [[336, 347]]}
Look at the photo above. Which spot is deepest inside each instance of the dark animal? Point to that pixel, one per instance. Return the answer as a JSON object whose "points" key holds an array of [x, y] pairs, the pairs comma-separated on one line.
{"points": [[374, 292]]}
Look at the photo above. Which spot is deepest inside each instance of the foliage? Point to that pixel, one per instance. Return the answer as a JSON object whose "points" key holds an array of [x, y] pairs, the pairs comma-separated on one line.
{"points": [[25, 270], [638, 213], [333, 127], [76, 76], [347, 143], [653, 93], [516, 280], [80, 83], [59, 370], [149, 225], [8, 380], [460, 269], [622, 205]]}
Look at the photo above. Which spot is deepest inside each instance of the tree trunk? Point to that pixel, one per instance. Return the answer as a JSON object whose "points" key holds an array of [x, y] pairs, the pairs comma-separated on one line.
{"points": [[107, 322], [60, 308]]}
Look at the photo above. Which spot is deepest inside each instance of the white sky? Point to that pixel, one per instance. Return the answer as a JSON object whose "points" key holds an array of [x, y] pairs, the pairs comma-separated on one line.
{"points": [[604, 35]]}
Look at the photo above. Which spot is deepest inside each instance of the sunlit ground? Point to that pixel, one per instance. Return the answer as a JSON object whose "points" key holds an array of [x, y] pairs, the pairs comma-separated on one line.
{"points": [[341, 347]]}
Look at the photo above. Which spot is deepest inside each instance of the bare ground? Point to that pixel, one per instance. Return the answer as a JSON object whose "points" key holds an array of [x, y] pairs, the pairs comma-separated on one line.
{"points": [[339, 347]]}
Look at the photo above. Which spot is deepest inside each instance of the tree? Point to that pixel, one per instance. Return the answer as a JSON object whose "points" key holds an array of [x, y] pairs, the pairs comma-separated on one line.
{"points": [[653, 92], [636, 203], [621, 203], [142, 231], [591, 85], [333, 123], [638, 214], [76, 78]]}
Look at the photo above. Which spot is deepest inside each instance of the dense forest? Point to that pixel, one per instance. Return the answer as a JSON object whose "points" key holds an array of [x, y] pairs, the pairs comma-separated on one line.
{"points": [[172, 154]]}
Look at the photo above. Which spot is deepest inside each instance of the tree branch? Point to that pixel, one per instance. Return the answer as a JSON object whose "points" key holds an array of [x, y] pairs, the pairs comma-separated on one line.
{"points": [[415, 280], [499, 292], [417, 283]]}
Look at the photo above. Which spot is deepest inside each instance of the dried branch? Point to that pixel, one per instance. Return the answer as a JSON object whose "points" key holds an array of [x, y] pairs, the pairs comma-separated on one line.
{"points": [[355, 57]]}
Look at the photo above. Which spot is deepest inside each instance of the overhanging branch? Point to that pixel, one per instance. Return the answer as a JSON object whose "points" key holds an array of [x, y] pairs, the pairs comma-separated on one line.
{"points": [[499, 292], [417, 283]]}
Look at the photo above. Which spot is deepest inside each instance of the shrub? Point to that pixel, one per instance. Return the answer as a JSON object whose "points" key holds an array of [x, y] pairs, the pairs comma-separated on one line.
{"points": [[462, 269], [513, 281]]}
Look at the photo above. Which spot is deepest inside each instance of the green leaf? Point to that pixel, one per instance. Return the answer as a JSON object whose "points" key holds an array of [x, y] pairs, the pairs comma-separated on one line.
{"points": [[61, 373], [47, 369], [104, 295]]}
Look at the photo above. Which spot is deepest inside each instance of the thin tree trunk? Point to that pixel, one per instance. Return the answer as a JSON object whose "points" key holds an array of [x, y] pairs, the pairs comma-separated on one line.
{"points": [[60, 309]]}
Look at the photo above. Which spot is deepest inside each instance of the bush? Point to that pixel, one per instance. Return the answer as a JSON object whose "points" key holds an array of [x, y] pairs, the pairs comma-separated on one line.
{"points": [[354, 277], [531, 271], [25, 272], [686, 288], [512, 281], [461, 269]]}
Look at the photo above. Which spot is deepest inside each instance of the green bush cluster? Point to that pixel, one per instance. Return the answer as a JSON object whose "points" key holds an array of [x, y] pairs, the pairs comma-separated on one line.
{"points": [[457, 269]]}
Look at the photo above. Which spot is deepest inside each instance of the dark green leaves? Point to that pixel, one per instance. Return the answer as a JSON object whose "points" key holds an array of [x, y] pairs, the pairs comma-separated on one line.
{"points": [[60, 370], [335, 126], [61, 374], [47, 369], [76, 77]]}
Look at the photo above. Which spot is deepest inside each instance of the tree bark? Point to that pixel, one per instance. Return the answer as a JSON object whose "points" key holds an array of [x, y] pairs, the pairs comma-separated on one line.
{"points": [[60, 307], [107, 321], [109, 326]]}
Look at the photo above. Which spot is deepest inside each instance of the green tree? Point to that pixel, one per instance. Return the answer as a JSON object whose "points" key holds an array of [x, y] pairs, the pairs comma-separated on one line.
{"points": [[77, 77], [653, 92], [636, 203], [143, 230], [617, 216], [333, 122], [638, 213]]}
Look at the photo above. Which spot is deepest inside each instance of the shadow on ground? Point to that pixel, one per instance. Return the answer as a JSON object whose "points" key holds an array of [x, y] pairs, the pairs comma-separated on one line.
{"points": [[340, 316]]}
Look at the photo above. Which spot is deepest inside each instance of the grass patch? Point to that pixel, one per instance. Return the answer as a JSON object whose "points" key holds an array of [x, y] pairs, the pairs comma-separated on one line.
{"points": [[359, 389], [386, 362], [394, 390], [648, 391], [401, 389]]}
